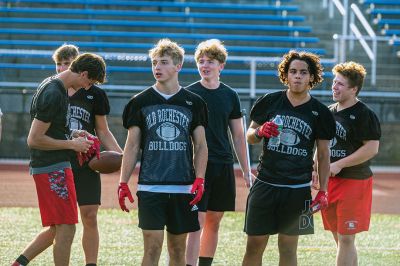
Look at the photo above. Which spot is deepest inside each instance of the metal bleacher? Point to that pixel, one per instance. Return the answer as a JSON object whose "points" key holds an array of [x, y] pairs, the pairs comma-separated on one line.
{"points": [[386, 15], [256, 35]]}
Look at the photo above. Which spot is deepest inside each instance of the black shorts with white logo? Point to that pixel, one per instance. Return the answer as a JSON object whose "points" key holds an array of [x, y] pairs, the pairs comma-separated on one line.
{"points": [[170, 210], [219, 188], [271, 210]]}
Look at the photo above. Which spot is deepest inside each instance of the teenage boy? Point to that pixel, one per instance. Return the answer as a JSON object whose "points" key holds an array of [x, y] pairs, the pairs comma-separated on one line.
{"points": [[88, 111], [50, 148], [167, 123], [280, 199], [225, 114], [355, 143]]}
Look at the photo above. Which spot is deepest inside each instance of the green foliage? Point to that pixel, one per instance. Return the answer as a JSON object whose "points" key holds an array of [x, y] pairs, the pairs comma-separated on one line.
{"points": [[121, 240]]}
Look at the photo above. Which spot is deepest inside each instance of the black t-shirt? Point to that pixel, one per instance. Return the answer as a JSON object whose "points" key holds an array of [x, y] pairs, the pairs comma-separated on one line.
{"points": [[85, 105], [223, 105], [291, 161], [166, 129], [354, 125], [50, 105]]}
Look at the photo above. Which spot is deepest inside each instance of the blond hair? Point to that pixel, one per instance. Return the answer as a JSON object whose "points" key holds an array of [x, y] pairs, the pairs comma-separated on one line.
{"points": [[167, 47], [213, 49]]}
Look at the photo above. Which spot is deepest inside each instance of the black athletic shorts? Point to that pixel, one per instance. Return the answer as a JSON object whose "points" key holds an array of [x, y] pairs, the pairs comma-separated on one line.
{"points": [[87, 185], [271, 210], [170, 210], [219, 188]]}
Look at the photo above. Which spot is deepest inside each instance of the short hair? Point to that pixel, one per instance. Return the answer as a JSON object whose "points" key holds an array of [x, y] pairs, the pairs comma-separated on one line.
{"points": [[354, 73], [65, 52], [167, 47], [93, 64], [314, 66], [213, 49]]}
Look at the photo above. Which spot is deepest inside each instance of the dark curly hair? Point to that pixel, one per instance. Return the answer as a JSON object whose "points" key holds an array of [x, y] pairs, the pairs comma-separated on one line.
{"points": [[314, 66]]}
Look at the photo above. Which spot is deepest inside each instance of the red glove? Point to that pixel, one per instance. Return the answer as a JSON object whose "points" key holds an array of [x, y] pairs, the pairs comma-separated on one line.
{"points": [[198, 189], [123, 192], [320, 202], [267, 130], [93, 150]]}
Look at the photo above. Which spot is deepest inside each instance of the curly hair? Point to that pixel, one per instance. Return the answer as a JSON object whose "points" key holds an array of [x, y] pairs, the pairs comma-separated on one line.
{"points": [[314, 66], [169, 48], [213, 49], [353, 72]]}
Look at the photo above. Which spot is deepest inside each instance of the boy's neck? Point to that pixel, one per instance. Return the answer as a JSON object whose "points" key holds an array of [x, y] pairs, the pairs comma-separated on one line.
{"points": [[66, 78], [298, 98], [168, 88], [210, 84], [346, 104]]}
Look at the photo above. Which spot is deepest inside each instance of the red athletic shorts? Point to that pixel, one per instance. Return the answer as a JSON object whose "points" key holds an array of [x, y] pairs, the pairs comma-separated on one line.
{"points": [[349, 209], [57, 197]]}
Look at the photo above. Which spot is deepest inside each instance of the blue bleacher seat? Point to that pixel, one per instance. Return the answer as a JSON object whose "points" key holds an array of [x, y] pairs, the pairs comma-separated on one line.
{"points": [[158, 35], [140, 13], [389, 22], [153, 24], [104, 27], [166, 4], [392, 32], [384, 11], [144, 47], [380, 2]]}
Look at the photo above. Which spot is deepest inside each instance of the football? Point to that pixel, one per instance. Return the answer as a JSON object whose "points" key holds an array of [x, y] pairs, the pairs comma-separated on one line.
{"points": [[109, 162]]}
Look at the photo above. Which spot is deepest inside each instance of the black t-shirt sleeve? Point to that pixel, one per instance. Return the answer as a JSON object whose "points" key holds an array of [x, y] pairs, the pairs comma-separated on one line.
{"points": [[131, 115], [258, 111], [102, 106], [48, 104], [369, 127], [326, 125], [236, 111], [200, 114]]}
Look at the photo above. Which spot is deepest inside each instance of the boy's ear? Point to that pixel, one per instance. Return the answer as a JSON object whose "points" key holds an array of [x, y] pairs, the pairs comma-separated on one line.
{"points": [[84, 74]]}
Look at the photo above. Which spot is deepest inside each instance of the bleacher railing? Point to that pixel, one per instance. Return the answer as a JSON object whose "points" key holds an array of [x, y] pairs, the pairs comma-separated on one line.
{"points": [[355, 34]]}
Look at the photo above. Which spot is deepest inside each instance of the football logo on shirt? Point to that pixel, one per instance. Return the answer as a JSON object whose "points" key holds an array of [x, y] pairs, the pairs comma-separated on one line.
{"points": [[352, 117], [168, 131], [289, 137], [90, 97], [189, 103]]}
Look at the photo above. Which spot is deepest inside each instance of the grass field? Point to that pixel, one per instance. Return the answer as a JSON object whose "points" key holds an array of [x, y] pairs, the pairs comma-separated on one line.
{"points": [[121, 240]]}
